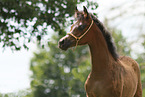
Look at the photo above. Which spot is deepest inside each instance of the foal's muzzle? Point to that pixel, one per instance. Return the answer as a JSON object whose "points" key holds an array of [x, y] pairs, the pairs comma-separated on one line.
{"points": [[64, 44]]}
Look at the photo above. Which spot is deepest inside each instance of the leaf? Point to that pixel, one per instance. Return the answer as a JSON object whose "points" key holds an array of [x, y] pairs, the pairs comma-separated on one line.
{"points": [[25, 46], [38, 37], [17, 48]]}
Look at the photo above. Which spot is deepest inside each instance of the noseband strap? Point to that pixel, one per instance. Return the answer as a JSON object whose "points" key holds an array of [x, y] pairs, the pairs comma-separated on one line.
{"points": [[79, 38]]}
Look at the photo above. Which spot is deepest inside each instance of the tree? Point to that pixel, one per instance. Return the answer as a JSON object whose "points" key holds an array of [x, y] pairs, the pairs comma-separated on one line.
{"points": [[23, 21], [20, 93], [123, 47], [23, 18], [128, 10], [52, 72], [141, 61]]}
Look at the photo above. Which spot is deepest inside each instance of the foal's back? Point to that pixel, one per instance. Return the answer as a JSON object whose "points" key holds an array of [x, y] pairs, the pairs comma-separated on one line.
{"points": [[131, 77]]}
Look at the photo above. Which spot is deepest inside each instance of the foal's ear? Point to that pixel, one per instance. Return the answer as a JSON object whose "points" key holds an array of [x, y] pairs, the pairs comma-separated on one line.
{"points": [[76, 10], [85, 12]]}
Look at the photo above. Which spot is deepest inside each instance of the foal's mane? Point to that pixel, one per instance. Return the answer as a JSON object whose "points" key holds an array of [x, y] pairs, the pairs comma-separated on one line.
{"points": [[107, 36]]}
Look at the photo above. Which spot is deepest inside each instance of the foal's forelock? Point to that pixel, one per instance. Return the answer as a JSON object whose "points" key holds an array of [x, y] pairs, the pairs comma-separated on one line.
{"points": [[74, 25], [79, 15]]}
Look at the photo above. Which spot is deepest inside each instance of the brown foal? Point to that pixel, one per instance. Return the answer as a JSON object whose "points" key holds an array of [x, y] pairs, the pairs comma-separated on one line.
{"points": [[111, 75]]}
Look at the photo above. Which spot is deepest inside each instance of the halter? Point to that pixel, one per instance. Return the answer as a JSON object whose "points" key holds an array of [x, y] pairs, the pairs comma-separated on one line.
{"points": [[79, 38]]}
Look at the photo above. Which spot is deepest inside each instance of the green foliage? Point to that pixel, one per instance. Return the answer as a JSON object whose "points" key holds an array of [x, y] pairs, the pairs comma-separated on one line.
{"points": [[21, 93], [18, 16], [25, 21], [141, 61], [143, 93], [52, 72], [123, 48]]}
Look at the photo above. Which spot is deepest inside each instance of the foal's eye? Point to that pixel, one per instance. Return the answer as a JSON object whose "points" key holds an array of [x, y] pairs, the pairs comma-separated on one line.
{"points": [[81, 27]]}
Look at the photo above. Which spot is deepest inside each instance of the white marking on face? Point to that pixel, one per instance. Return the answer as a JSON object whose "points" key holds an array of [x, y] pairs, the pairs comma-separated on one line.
{"points": [[75, 25], [66, 36]]}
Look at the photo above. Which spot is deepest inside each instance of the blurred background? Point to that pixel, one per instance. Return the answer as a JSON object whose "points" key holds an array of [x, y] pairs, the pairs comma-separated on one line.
{"points": [[32, 65]]}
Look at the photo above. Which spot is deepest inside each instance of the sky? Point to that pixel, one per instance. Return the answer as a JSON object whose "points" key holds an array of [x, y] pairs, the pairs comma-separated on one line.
{"points": [[14, 66], [14, 70]]}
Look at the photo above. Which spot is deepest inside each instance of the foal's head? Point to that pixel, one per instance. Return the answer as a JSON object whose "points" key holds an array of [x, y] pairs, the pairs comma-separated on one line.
{"points": [[79, 33]]}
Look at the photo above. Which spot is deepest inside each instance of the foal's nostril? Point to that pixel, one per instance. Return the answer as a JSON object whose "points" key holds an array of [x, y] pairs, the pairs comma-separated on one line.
{"points": [[61, 42], [64, 44]]}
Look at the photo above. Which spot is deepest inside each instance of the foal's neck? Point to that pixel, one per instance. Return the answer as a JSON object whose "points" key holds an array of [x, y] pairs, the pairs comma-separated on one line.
{"points": [[100, 55]]}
